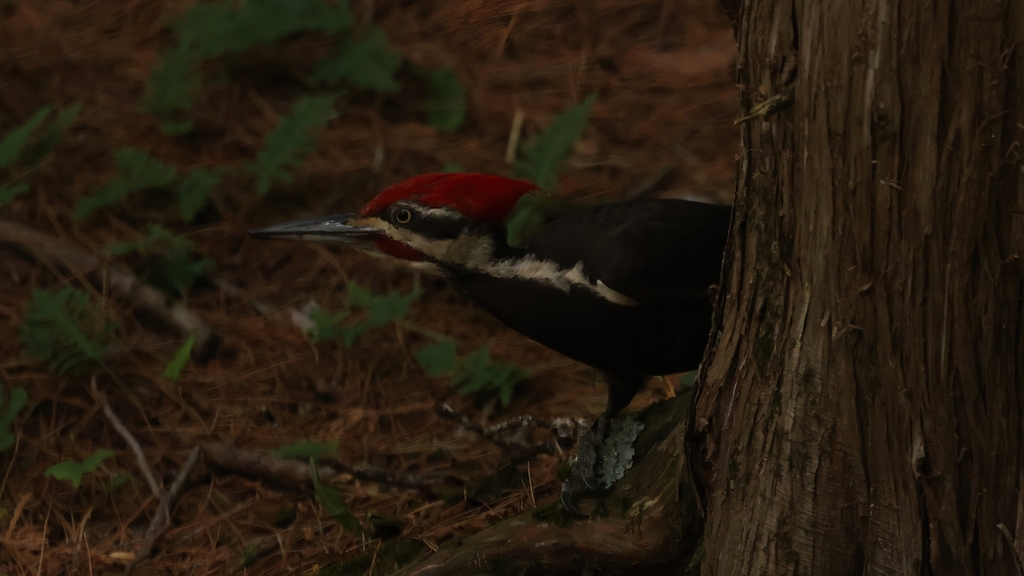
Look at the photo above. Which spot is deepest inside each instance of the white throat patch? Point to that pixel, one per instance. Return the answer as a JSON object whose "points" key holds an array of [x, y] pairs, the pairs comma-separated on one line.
{"points": [[476, 253]]}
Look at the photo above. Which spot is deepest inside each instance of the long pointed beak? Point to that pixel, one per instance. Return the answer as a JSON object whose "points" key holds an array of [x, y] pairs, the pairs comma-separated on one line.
{"points": [[325, 229]]}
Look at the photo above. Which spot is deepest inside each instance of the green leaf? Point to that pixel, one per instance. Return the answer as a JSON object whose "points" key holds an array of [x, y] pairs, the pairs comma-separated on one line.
{"points": [[333, 503], [176, 127], [530, 213], [382, 309], [12, 144], [194, 191], [53, 134], [157, 237], [452, 167], [308, 449], [213, 29], [325, 324], [9, 193], [176, 272], [446, 100], [62, 330], [117, 482], [291, 141], [173, 82], [217, 28], [438, 359], [478, 374], [542, 154], [526, 217], [136, 171], [73, 471], [15, 403], [369, 64], [177, 364], [168, 261]]}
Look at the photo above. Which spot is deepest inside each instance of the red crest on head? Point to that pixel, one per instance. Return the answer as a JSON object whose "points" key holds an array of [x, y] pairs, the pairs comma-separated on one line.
{"points": [[478, 196]]}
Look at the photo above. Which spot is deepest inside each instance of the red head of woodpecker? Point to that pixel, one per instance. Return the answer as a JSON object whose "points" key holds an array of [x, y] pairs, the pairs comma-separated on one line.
{"points": [[437, 222], [622, 287]]}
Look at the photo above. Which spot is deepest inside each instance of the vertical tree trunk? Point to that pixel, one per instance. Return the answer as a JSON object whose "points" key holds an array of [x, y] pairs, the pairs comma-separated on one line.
{"points": [[863, 412]]}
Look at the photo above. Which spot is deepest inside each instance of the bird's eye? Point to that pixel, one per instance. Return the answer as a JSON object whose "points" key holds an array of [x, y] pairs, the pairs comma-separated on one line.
{"points": [[403, 216]]}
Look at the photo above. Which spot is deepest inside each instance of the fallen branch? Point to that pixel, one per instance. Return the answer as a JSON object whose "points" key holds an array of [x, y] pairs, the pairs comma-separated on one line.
{"points": [[515, 434], [649, 519], [233, 291], [165, 498], [263, 465], [296, 474], [162, 521], [119, 278], [140, 456]]}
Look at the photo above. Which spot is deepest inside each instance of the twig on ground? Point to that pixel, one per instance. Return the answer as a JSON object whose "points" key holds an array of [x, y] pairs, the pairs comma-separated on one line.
{"points": [[271, 543], [129, 438], [423, 481], [235, 292], [119, 278], [266, 466], [165, 498], [162, 521], [295, 474], [514, 434]]}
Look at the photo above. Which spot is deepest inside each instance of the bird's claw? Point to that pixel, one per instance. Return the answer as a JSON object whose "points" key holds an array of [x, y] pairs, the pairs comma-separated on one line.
{"points": [[583, 469], [568, 492]]}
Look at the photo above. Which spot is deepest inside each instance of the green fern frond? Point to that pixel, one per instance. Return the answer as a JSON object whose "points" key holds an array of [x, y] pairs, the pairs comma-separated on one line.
{"points": [[369, 64], [15, 402], [294, 137], [446, 100], [174, 82], [217, 28], [14, 142], [474, 373], [52, 135], [194, 191], [136, 171], [10, 192], [542, 154], [213, 29], [167, 259], [63, 331]]}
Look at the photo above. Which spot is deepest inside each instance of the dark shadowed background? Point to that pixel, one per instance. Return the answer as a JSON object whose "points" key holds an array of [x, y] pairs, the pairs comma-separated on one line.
{"points": [[662, 124]]}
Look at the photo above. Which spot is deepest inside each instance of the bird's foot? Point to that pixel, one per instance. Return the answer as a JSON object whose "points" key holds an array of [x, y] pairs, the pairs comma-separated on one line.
{"points": [[583, 466]]}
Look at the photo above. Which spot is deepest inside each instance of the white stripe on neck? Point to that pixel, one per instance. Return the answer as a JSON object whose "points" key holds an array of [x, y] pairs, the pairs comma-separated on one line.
{"points": [[548, 272]]}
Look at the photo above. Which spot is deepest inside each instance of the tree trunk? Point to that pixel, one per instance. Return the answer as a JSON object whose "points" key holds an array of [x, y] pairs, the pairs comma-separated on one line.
{"points": [[863, 412]]}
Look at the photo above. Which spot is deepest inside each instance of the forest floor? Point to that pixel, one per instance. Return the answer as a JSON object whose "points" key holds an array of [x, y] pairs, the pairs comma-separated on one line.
{"points": [[663, 71]]}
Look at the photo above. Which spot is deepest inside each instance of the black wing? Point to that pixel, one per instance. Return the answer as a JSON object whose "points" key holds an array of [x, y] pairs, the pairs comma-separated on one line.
{"points": [[650, 250]]}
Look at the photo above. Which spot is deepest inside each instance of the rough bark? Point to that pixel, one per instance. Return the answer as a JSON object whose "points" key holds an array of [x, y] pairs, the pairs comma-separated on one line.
{"points": [[862, 412]]}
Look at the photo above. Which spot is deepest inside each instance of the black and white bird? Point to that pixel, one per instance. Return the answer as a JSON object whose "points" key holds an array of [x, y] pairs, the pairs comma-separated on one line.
{"points": [[622, 287]]}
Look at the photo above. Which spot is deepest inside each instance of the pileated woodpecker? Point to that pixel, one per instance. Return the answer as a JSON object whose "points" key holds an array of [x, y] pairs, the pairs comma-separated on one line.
{"points": [[622, 287]]}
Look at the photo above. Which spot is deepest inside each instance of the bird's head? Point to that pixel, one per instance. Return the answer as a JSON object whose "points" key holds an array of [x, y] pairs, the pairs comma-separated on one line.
{"points": [[432, 220]]}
